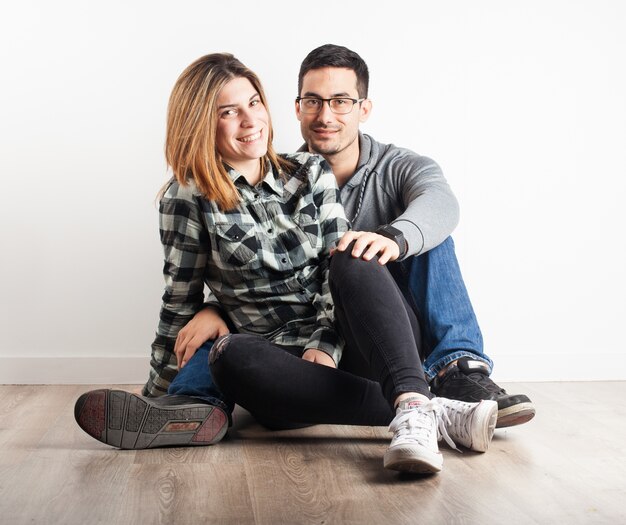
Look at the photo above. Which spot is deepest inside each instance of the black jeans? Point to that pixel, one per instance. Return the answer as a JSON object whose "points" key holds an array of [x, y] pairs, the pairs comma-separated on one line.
{"points": [[380, 361]]}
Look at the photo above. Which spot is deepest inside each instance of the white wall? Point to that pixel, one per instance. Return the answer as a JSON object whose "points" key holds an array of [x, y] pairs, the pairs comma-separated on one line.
{"points": [[522, 103]]}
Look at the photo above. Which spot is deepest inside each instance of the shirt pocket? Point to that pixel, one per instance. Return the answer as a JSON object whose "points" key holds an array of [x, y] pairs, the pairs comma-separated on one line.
{"points": [[236, 243], [307, 219]]}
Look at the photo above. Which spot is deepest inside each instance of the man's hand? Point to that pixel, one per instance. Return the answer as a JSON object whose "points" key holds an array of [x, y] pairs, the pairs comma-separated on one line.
{"points": [[206, 324], [317, 356], [370, 244]]}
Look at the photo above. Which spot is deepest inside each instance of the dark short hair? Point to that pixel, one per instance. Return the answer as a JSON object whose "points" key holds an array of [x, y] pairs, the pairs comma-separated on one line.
{"points": [[331, 55]]}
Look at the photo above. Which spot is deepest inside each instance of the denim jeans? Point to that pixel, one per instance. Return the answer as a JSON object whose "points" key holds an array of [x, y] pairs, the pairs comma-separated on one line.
{"points": [[195, 380], [433, 286]]}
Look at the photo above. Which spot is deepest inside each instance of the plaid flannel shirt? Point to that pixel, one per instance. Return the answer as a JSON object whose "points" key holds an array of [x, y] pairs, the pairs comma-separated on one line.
{"points": [[266, 262]]}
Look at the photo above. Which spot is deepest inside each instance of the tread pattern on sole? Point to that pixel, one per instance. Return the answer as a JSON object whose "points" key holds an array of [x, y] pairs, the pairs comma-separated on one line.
{"points": [[159, 417], [125, 420], [136, 410], [117, 402], [210, 429], [91, 417]]}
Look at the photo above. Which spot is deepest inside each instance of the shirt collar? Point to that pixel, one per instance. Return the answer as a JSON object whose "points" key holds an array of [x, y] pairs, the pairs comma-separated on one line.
{"points": [[273, 182]]}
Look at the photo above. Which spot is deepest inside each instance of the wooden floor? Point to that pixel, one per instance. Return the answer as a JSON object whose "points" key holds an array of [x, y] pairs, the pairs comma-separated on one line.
{"points": [[566, 466]]}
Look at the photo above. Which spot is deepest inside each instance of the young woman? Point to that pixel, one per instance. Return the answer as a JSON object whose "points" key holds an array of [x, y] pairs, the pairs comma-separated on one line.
{"points": [[258, 229]]}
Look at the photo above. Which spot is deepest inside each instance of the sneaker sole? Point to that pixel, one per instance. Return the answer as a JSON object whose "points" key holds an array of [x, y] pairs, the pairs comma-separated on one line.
{"points": [[483, 425], [417, 460], [515, 415], [128, 421]]}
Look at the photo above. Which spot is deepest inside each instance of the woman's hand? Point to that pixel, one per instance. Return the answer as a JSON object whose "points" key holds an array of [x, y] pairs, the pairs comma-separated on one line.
{"points": [[317, 356], [205, 325]]}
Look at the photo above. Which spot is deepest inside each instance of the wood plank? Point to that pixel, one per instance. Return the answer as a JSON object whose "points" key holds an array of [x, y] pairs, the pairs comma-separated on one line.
{"points": [[565, 466]]}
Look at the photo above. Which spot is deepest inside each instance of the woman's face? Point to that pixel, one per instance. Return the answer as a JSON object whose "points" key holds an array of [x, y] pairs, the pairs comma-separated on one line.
{"points": [[242, 125]]}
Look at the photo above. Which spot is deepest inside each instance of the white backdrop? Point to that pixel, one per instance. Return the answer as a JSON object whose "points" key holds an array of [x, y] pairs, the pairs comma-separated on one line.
{"points": [[523, 104]]}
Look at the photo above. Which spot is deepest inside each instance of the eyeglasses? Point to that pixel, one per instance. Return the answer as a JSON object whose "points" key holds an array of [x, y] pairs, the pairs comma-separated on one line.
{"points": [[340, 105]]}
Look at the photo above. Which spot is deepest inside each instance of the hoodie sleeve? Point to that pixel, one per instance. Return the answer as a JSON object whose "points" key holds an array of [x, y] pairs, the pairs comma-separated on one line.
{"points": [[431, 209]]}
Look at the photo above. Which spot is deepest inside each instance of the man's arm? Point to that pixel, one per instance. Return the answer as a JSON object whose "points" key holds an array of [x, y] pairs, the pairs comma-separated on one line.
{"points": [[431, 209]]}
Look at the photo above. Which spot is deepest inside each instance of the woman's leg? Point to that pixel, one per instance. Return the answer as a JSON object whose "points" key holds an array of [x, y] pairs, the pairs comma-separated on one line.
{"points": [[275, 384], [376, 321]]}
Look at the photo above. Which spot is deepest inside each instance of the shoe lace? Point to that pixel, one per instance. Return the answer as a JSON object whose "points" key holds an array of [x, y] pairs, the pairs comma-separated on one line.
{"points": [[456, 417], [415, 425]]}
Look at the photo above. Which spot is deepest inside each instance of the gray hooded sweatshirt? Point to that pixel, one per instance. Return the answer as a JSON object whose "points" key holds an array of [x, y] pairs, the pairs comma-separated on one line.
{"points": [[396, 186]]}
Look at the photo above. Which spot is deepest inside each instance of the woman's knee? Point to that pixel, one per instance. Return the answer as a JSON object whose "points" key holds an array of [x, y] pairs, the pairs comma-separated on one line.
{"points": [[229, 344], [220, 344], [346, 269], [227, 357]]}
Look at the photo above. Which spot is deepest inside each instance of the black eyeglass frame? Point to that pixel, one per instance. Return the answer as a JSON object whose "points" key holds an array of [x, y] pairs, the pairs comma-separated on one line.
{"points": [[328, 100]]}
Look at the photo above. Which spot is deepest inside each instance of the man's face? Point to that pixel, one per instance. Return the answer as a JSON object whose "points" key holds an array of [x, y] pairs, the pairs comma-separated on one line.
{"points": [[329, 133]]}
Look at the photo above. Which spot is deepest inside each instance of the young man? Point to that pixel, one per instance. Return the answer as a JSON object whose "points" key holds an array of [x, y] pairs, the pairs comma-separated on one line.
{"points": [[401, 209]]}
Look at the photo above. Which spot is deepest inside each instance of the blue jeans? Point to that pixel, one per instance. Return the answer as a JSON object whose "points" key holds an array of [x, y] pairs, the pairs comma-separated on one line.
{"points": [[433, 286], [195, 380]]}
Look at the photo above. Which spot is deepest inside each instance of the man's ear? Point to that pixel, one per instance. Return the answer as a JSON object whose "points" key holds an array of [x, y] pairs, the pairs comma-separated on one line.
{"points": [[365, 110], [298, 116]]}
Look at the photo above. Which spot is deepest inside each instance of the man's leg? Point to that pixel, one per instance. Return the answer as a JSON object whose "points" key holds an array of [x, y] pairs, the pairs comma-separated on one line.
{"points": [[433, 285], [454, 361], [194, 412]]}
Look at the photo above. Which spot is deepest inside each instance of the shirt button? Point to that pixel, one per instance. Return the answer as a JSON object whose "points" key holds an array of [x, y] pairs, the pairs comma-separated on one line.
{"points": [[269, 230], [284, 260]]}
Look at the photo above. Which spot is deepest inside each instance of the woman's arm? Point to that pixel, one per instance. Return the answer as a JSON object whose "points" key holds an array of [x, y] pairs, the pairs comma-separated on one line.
{"points": [[333, 224], [205, 325], [186, 247]]}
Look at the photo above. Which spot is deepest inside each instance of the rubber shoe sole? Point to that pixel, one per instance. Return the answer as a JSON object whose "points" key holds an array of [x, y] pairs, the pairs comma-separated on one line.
{"points": [[515, 415], [128, 421], [415, 459]]}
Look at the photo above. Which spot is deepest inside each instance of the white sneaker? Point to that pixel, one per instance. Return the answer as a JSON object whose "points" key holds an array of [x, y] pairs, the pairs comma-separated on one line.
{"points": [[468, 424], [414, 444]]}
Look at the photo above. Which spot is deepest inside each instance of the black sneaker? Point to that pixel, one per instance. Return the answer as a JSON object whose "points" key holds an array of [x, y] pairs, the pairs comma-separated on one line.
{"points": [[468, 380], [129, 421]]}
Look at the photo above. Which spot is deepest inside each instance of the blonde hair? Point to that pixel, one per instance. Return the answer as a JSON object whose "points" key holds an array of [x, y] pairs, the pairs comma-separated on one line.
{"points": [[190, 145]]}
